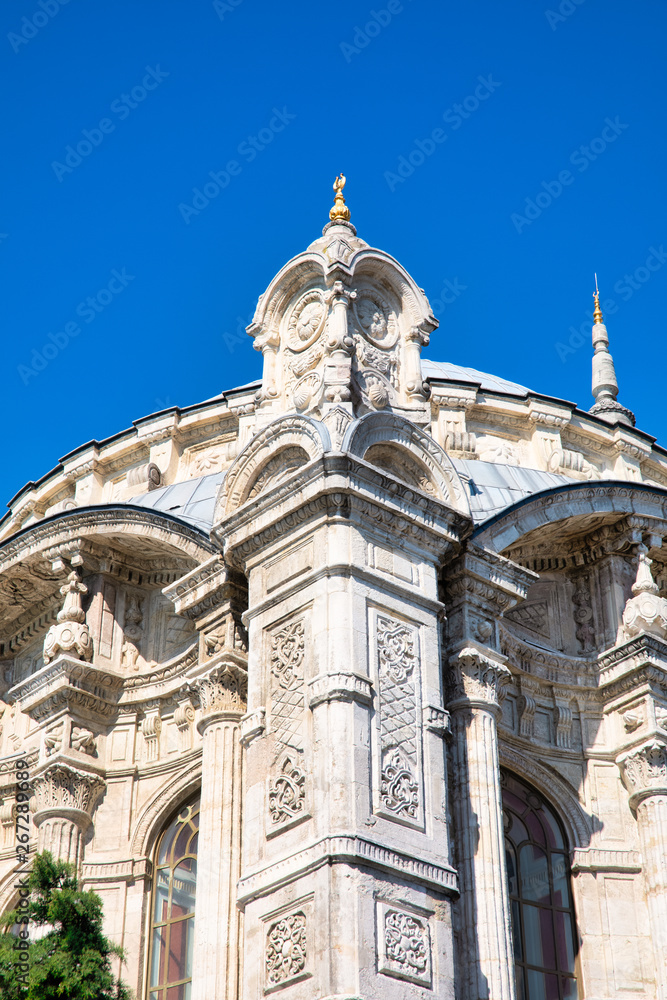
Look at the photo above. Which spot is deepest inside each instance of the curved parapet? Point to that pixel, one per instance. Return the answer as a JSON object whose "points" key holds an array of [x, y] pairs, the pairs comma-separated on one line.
{"points": [[277, 451], [401, 448]]}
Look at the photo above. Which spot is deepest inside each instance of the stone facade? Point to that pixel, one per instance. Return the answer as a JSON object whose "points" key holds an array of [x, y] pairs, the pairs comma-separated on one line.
{"points": [[335, 621]]}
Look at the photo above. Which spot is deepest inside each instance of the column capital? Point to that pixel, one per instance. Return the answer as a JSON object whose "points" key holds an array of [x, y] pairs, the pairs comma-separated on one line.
{"points": [[222, 692], [63, 790], [476, 677], [644, 770]]}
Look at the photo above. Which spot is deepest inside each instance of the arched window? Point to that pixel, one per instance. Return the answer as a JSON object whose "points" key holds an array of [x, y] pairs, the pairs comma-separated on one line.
{"points": [[538, 871], [173, 910]]}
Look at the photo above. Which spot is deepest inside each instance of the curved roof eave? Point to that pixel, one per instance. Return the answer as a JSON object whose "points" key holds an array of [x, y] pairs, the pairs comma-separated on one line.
{"points": [[602, 496]]}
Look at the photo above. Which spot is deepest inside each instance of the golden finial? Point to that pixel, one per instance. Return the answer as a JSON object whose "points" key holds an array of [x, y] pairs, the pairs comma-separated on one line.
{"points": [[340, 212], [597, 312]]}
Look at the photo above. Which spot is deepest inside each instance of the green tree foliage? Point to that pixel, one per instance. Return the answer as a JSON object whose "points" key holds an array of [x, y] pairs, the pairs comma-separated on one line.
{"points": [[72, 960]]}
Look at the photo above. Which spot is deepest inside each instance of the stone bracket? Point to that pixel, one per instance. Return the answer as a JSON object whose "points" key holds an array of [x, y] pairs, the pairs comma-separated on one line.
{"points": [[436, 720], [253, 725], [340, 686]]}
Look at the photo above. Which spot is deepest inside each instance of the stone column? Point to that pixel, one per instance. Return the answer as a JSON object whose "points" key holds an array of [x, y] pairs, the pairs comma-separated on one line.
{"points": [[487, 966], [644, 772], [66, 798], [217, 946]]}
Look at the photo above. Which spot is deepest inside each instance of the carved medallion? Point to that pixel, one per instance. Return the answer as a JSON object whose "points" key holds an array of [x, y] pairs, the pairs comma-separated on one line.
{"points": [[307, 320], [375, 318]]}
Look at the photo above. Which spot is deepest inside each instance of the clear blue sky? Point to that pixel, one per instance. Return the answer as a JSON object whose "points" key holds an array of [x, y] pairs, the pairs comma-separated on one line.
{"points": [[292, 93]]}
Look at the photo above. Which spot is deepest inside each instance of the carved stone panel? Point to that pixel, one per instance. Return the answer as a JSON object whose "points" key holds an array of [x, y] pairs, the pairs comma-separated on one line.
{"points": [[286, 951], [287, 780], [404, 945], [400, 792]]}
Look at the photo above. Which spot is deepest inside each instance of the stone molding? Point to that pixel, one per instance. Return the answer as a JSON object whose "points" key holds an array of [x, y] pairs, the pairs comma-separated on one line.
{"points": [[644, 771], [340, 686], [200, 591], [593, 859], [346, 849], [289, 430], [132, 870]]}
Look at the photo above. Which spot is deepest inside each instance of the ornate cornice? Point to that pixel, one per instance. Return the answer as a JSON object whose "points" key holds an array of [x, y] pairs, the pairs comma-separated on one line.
{"points": [[346, 487], [71, 684], [345, 849], [72, 526]]}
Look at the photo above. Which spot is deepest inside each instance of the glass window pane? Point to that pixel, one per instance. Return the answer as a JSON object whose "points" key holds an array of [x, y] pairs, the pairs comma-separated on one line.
{"points": [[179, 950], [535, 828], [157, 963], [553, 830], [183, 888], [176, 993], [541, 986], [564, 942], [520, 986], [161, 902], [569, 988], [538, 933], [514, 802], [517, 831], [173, 908], [534, 874], [560, 878]]}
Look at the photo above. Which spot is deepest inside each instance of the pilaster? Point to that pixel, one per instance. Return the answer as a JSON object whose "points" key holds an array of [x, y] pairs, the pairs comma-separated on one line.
{"points": [[479, 587]]}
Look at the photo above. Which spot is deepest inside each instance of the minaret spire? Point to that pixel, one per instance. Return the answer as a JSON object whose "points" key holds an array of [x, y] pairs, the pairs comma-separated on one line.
{"points": [[605, 386]]}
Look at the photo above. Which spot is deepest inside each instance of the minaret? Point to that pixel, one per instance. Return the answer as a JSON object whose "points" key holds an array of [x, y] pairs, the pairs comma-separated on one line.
{"points": [[605, 386]]}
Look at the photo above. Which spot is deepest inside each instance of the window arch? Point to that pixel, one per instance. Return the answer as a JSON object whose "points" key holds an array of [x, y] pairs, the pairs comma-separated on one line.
{"points": [[173, 908], [538, 872]]}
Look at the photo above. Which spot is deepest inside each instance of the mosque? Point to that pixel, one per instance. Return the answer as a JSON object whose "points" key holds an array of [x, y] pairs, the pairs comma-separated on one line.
{"points": [[351, 683]]}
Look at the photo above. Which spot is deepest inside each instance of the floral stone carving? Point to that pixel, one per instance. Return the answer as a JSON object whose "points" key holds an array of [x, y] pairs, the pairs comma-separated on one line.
{"points": [[405, 946], [398, 661], [70, 634], [286, 950], [287, 791]]}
